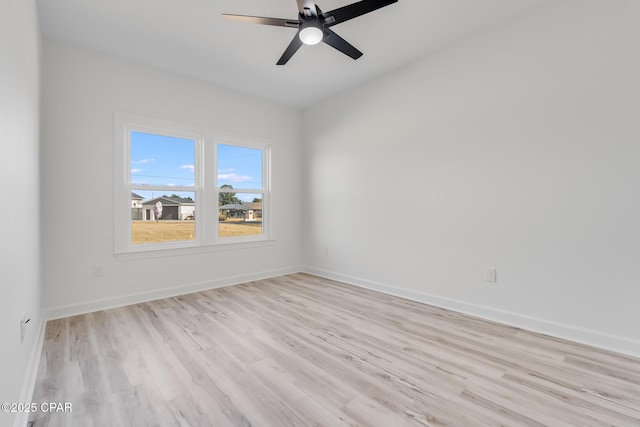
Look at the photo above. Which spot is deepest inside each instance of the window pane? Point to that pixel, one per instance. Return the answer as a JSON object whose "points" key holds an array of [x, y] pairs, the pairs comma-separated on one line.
{"points": [[161, 160], [239, 167], [162, 217], [239, 214]]}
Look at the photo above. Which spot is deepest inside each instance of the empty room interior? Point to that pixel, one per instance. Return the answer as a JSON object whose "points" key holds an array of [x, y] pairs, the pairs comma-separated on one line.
{"points": [[430, 217]]}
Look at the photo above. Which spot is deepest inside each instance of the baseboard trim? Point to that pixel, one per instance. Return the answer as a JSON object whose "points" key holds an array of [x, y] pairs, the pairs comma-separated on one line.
{"points": [[592, 338], [121, 301], [29, 382]]}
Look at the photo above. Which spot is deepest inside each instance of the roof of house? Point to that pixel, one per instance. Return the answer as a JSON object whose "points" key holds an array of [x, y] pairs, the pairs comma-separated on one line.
{"points": [[244, 206], [170, 201], [136, 196], [234, 207], [253, 205]]}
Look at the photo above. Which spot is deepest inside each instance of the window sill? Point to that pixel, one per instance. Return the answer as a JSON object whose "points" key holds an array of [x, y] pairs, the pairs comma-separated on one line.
{"points": [[220, 247]]}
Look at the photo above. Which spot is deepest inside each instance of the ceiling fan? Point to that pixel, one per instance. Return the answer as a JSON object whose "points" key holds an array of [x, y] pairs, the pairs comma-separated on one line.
{"points": [[314, 25]]}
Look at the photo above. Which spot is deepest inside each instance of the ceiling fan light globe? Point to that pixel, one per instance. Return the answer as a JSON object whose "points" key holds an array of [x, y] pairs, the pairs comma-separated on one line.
{"points": [[311, 35]]}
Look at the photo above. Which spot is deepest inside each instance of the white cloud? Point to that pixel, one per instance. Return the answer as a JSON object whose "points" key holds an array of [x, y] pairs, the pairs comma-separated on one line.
{"points": [[190, 167], [143, 161], [136, 170], [170, 184], [232, 177]]}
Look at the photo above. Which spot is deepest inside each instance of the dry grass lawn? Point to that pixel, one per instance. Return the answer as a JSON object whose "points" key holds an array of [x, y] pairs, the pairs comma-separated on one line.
{"points": [[170, 231], [239, 228]]}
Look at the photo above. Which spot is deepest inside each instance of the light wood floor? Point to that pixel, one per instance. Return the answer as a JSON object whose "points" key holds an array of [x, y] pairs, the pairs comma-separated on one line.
{"points": [[302, 351]]}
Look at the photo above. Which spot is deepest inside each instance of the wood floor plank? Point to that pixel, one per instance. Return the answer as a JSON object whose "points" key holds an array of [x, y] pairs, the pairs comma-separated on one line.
{"points": [[300, 350]]}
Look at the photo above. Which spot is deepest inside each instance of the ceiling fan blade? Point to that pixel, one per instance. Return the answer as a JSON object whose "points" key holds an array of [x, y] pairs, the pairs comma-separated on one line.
{"points": [[291, 49], [278, 22], [307, 8], [337, 42], [353, 10]]}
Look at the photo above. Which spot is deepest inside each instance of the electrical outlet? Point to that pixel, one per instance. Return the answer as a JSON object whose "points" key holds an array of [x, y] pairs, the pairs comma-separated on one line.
{"points": [[96, 271], [492, 275]]}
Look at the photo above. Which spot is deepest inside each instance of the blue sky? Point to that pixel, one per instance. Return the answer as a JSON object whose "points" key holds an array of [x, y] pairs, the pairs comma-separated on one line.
{"points": [[169, 161], [240, 167]]}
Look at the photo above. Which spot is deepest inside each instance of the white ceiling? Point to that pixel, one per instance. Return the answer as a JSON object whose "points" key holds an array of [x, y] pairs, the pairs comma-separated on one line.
{"points": [[191, 38]]}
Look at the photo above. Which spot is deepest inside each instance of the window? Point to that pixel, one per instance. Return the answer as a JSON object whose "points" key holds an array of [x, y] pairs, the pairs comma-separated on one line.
{"points": [[162, 174], [178, 186], [240, 191]]}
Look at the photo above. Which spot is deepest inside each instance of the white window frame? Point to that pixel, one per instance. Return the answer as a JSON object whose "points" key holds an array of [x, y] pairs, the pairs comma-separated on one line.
{"points": [[205, 187], [265, 191]]}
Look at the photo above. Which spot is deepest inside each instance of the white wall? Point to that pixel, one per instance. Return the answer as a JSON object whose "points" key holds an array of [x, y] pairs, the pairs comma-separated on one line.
{"points": [[517, 149], [81, 90], [19, 163]]}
